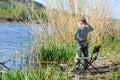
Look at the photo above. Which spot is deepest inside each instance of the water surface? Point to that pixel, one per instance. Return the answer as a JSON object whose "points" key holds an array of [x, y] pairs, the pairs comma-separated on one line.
{"points": [[14, 40]]}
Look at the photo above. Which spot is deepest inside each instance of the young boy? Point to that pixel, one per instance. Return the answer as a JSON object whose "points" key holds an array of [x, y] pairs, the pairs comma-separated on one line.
{"points": [[80, 36]]}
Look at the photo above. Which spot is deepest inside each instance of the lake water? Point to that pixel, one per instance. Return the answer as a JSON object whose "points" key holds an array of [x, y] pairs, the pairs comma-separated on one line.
{"points": [[14, 42]]}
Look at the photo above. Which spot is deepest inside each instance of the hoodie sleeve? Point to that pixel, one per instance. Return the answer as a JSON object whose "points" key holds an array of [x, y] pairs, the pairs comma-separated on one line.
{"points": [[90, 28], [76, 34]]}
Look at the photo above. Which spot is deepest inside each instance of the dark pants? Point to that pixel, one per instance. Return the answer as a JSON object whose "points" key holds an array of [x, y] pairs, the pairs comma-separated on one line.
{"points": [[81, 50]]}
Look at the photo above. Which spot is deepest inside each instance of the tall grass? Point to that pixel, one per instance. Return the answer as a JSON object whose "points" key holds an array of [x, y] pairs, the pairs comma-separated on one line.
{"points": [[48, 73], [58, 43], [64, 18]]}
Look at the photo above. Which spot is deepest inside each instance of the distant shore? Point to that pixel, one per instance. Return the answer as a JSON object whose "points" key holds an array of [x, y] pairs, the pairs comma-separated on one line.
{"points": [[4, 18]]}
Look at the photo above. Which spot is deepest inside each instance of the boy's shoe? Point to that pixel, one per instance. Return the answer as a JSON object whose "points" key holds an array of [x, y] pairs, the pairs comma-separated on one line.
{"points": [[74, 70]]}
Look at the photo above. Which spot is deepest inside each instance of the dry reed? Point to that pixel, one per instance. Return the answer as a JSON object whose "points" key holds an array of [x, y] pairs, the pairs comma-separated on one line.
{"points": [[63, 15]]}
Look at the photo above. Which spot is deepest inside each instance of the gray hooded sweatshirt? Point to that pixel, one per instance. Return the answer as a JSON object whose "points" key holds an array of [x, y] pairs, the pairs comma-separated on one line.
{"points": [[81, 33]]}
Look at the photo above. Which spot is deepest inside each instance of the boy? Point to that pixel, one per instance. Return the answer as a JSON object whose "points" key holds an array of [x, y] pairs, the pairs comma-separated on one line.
{"points": [[80, 36]]}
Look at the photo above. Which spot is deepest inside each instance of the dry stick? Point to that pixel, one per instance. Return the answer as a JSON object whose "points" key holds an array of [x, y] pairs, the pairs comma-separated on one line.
{"points": [[113, 63], [4, 66]]}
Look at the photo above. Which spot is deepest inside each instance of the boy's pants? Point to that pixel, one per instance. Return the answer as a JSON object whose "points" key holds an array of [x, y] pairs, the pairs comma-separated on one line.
{"points": [[81, 50]]}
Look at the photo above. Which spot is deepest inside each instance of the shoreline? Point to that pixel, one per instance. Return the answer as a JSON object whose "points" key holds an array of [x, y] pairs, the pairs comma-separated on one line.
{"points": [[19, 21]]}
